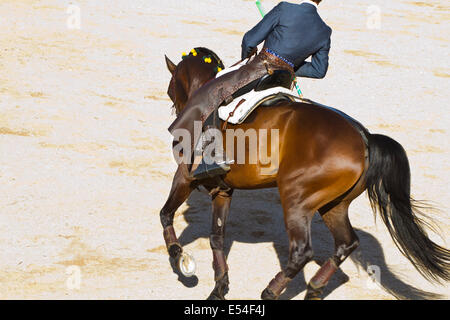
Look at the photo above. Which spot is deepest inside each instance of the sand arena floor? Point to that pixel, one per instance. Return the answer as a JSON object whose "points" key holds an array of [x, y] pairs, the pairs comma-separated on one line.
{"points": [[86, 165]]}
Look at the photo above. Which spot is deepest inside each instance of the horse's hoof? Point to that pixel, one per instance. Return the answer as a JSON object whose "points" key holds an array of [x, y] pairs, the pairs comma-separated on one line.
{"points": [[268, 295], [187, 265], [215, 297], [312, 294], [312, 298]]}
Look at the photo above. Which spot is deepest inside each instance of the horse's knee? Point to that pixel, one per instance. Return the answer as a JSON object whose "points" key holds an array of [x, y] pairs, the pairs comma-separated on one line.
{"points": [[165, 218]]}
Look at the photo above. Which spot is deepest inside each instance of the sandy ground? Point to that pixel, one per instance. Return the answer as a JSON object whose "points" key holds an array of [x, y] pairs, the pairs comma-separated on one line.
{"points": [[85, 162]]}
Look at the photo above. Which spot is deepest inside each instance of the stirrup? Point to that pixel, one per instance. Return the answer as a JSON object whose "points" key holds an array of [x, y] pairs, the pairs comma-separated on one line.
{"points": [[206, 171]]}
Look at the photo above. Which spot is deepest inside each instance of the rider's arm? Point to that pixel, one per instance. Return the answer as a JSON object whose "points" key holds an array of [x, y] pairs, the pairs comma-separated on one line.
{"points": [[260, 32], [318, 66]]}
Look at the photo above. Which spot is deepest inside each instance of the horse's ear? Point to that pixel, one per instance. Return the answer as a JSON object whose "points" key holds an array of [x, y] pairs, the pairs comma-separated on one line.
{"points": [[170, 65]]}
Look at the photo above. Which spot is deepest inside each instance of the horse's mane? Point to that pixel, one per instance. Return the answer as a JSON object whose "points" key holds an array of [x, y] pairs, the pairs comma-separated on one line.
{"points": [[203, 52], [209, 52]]}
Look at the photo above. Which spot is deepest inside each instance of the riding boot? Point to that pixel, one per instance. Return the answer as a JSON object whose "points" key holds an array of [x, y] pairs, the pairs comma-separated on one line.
{"points": [[213, 162]]}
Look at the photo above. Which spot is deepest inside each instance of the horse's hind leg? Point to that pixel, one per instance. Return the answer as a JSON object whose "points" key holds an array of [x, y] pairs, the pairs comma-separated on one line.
{"points": [[221, 207], [298, 218], [180, 191], [346, 242]]}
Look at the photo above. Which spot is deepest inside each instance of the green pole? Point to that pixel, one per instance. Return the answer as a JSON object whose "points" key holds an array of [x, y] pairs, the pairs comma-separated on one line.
{"points": [[260, 8], [261, 11]]}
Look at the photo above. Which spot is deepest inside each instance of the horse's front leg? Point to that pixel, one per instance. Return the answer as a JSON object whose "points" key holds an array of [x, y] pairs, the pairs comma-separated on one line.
{"points": [[221, 208], [180, 191]]}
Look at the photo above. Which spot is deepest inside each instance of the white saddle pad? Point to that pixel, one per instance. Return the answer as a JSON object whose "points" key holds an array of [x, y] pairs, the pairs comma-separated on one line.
{"points": [[252, 100]]}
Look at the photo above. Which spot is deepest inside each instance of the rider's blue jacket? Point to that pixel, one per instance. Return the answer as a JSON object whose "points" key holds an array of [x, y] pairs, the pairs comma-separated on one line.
{"points": [[295, 32]]}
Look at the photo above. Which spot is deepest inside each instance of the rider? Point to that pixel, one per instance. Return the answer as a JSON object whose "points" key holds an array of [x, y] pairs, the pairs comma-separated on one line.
{"points": [[292, 33]]}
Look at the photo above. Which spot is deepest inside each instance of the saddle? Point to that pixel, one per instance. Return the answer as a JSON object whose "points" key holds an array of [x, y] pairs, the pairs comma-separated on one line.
{"points": [[239, 110], [269, 89]]}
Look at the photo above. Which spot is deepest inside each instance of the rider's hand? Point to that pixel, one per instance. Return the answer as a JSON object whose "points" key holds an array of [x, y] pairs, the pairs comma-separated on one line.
{"points": [[250, 52]]}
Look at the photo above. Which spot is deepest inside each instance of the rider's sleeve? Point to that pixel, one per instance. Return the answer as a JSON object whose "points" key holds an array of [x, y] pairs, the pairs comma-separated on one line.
{"points": [[260, 32], [318, 66]]}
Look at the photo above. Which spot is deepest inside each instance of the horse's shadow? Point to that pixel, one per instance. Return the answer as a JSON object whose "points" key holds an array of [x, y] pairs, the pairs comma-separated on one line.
{"points": [[256, 217]]}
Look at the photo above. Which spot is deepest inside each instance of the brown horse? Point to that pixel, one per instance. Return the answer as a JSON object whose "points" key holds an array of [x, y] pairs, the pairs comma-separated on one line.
{"points": [[326, 160]]}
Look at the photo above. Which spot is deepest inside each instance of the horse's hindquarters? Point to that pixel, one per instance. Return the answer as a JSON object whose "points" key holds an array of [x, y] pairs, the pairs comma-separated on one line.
{"points": [[323, 154]]}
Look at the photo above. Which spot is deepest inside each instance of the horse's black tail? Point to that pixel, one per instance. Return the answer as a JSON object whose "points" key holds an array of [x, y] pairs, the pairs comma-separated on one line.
{"points": [[388, 185]]}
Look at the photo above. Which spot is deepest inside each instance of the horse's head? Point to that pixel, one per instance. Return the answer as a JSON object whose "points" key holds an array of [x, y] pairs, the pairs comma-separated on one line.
{"points": [[197, 68]]}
